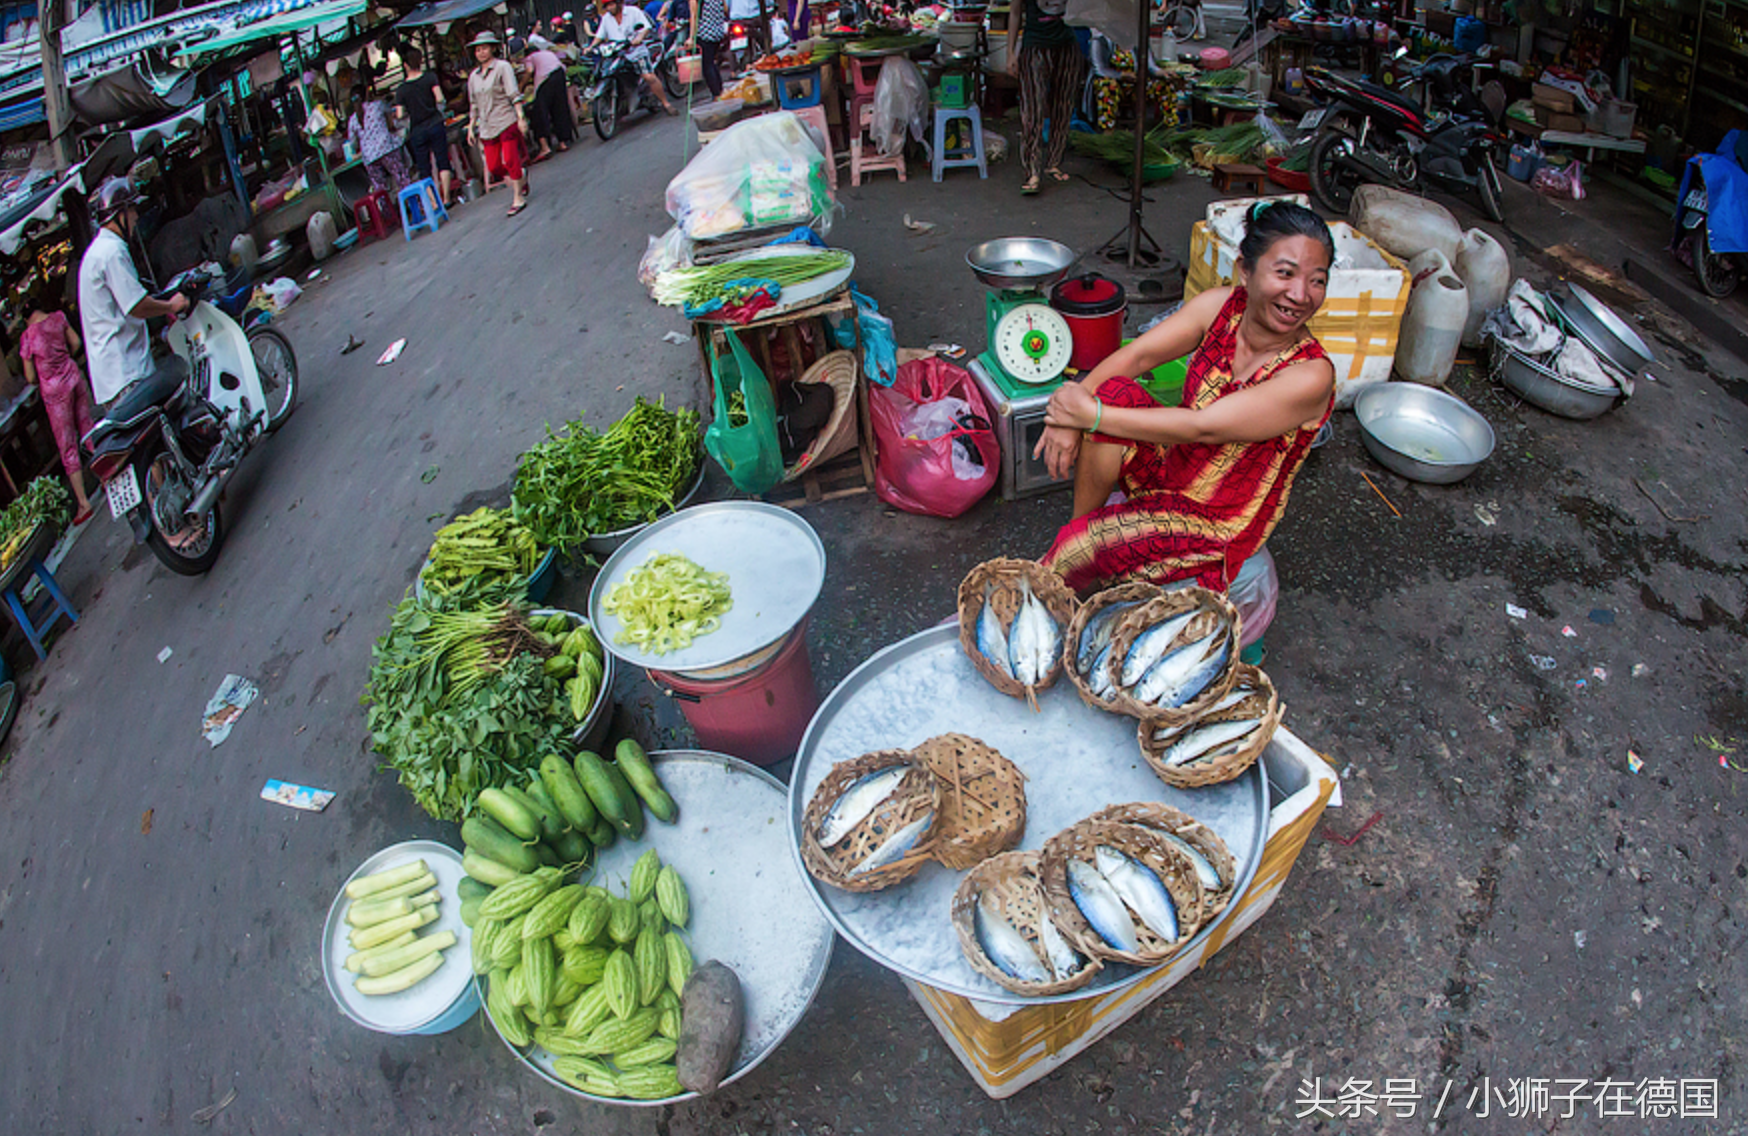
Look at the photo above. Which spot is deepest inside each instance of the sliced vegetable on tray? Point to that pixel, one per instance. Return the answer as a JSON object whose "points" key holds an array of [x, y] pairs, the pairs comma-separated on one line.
{"points": [[666, 602]]}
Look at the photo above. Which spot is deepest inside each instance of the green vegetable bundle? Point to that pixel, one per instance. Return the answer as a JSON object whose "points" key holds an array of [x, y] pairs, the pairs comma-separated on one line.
{"points": [[487, 548], [1217, 80], [581, 482], [699, 283], [44, 501]]}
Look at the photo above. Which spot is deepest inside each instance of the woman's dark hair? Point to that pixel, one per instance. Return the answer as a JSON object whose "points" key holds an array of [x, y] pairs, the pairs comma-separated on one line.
{"points": [[1271, 221], [412, 57]]}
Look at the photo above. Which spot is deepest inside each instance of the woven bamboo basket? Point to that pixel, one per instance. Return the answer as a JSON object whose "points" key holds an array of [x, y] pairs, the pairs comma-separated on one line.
{"points": [[983, 799], [917, 796], [1121, 594], [837, 370], [1216, 611], [1173, 822], [1003, 575], [1262, 702], [1011, 880], [1174, 869]]}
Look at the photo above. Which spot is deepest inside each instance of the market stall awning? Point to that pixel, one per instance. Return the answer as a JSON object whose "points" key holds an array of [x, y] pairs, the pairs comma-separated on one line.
{"points": [[446, 12], [40, 208], [296, 19], [191, 119]]}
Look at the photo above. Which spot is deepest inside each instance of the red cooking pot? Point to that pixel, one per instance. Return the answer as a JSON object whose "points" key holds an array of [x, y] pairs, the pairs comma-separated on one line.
{"points": [[1094, 308]]}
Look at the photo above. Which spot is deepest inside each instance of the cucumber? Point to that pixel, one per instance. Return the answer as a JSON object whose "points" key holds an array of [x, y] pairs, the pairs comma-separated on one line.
{"points": [[366, 886], [402, 979], [485, 870], [470, 910], [487, 837], [567, 792], [548, 855], [376, 966], [634, 764], [574, 848], [603, 835], [470, 888], [552, 821], [516, 816], [356, 960], [629, 802], [601, 787]]}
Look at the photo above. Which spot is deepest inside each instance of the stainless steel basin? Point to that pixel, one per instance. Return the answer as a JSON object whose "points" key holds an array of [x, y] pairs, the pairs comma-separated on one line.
{"points": [[1602, 331], [1020, 262], [1542, 386], [1421, 432]]}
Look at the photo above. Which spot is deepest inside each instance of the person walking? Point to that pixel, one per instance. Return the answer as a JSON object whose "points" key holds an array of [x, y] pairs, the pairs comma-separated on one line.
{"points": [[709, 29], [419, 103], [367, 129], [495, 120], [1051, 70], [549, 111], [46, 348]]}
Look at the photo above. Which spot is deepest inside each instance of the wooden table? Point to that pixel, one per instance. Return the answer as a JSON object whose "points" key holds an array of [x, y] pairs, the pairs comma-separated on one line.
{"points": [[27, 446]]}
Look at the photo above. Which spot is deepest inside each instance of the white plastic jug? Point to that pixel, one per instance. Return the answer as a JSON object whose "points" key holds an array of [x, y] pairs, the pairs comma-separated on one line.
{"points": [[1485, 267], [1432, 324], [322, 234], [243, 252], [1405, 225]]}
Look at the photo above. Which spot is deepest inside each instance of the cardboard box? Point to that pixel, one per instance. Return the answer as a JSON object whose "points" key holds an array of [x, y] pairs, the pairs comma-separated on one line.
{"points": [[1553, 98]]}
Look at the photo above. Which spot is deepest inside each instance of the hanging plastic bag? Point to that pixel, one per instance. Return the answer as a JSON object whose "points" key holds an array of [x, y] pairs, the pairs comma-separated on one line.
{"points": [[943, 475], [742, 436], [1568, 182], [879, 344], [764, 171], [901, 104], [669, 251]]}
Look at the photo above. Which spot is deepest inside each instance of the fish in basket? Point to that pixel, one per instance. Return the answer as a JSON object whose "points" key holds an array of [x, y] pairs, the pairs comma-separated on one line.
{"points": [[1012, 614]]}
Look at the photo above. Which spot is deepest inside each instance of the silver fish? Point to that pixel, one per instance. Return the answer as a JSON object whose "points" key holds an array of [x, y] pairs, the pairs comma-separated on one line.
{"points": [[1097, 633], [1034, 640], [1236, 695], [1150, 646], [1005, 946], [1201, 741], [1064, 960], [991, 639], [1099, 678], [897, 846], [1205, 870], [1173, 669], [1188, 686], [1141, 890], [1102, 906], [858, 802]]}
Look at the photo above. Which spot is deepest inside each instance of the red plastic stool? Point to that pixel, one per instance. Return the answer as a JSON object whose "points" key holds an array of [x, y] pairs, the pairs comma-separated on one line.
{"points": [[864, 75], [375, 215]]}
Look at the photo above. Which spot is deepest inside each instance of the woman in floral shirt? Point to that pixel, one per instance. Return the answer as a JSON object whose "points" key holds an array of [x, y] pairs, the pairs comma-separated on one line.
{"points": [[367, 129]]}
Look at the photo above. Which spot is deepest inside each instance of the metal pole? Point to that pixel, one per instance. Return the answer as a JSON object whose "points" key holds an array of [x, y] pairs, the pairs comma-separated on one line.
{"points": [[1140, 134], [57, 100]]}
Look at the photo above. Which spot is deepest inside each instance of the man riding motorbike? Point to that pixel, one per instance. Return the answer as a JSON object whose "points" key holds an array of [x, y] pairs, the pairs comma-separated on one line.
{"points": [[633, 26]]}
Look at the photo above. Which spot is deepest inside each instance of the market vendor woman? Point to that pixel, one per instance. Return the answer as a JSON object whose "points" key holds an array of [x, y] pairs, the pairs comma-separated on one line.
{"points": [[1205, 482]]}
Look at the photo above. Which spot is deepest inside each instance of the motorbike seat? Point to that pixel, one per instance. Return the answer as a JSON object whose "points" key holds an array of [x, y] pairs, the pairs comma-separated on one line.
{"points": [[1387, 95], [141, 396]]}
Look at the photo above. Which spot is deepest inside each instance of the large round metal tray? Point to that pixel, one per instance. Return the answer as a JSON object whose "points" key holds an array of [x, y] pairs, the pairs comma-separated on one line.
{"points": [[775, 564], [1076, 760], [409, 1010], [749, 900], [1602, 330]]}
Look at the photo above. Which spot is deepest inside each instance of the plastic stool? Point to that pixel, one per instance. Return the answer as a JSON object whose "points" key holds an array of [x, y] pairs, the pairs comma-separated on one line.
{"points": [[971, 155], [420, 207], [800, 89], [864, 75], [371, 214], [815, 116], [860, 165], [58, 607]]}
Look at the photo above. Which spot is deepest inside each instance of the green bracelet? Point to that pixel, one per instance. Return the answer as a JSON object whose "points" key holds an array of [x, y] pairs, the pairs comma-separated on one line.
{"points": [[1098, 417]]}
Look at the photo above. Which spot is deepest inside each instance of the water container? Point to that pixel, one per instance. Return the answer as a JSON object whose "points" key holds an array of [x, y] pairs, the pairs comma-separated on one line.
{"points": [[1405, 225], [1523, 162], [243, 252], [1432, 325], [1295, 81], [1485, 268], [1470, 34], [321, 233], [758, 716]]}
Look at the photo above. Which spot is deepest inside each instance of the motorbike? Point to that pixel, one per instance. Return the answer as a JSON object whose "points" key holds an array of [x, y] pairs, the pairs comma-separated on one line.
{"points": [[1711, 216], [1259, 14], [618, 88], [1367, 133], [167, 446]]}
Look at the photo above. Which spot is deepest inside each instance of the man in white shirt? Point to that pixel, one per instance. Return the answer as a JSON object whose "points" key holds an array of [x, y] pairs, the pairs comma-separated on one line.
{"points": [[113, 304], [632, 25]]}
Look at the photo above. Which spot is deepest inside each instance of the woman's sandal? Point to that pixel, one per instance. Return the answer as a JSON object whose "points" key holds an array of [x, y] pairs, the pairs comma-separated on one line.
{"points": [[1030, 186], [1057, 174], [515, 209]]}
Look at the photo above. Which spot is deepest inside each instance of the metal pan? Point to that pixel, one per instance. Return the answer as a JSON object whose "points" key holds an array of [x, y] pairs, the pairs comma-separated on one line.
{"points": [[1076, 760], [1020, 262], [1602, 330]]}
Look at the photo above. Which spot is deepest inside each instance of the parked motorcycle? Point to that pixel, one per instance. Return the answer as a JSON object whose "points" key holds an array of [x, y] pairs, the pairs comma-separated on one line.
{"points": [[1370, 134], [619, 89], [1711, 216], [168, 445]]}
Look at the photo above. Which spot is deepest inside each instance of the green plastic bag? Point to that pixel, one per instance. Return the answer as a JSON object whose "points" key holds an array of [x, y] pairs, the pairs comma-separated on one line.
{"points": [[750, 454]]}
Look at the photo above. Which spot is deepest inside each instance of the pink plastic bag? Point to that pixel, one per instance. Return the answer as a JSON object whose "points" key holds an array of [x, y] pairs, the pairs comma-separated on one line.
{"points": [[918, 474]]}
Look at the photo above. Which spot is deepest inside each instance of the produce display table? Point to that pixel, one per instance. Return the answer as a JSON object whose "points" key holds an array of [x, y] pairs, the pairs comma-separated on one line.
{"points": [[27, 448], [1589, 143], [28, 563]]}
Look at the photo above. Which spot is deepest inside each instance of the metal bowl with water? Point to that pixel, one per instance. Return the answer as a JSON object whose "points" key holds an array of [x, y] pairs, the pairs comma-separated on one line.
{"points": [[1020, 262], [1421, 432]]}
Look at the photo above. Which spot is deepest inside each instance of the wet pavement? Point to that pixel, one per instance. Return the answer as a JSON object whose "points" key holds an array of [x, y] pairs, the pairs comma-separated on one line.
{"points": [[1525, 907]]}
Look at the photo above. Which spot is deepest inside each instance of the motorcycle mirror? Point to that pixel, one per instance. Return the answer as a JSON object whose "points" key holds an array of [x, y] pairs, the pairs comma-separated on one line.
{"points": [[1401, 52]]}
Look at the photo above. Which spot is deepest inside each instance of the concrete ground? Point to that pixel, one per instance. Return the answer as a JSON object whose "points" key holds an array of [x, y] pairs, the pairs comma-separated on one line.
{"points": [[1526, 907]]}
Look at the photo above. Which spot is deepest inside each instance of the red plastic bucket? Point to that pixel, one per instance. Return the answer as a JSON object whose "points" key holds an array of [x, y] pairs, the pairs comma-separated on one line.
{"points": [[758, 716], [1094, 308]]}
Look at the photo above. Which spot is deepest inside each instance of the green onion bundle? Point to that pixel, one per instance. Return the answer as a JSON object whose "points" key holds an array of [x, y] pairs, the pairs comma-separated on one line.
{"points": [[700, 283]]}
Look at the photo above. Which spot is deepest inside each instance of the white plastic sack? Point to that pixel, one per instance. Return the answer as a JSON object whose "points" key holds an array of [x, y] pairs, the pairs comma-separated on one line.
{"points": [[282, 292], [1522, 322], [764, 171], [901, 103], [669, 251], [926, 421]]}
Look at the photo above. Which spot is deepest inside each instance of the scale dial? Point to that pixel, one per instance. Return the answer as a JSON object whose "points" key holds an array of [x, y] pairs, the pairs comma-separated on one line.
{"points": [[1033, 343]]}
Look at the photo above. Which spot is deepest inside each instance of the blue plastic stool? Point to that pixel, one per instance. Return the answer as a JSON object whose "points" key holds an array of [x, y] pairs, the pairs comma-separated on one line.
{"points": [[421, 208], [59, 606], [798, 90], [971, 155]]}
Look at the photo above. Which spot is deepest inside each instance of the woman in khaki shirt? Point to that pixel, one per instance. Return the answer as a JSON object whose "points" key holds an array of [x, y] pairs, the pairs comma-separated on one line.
{"points": [[495, 119]]}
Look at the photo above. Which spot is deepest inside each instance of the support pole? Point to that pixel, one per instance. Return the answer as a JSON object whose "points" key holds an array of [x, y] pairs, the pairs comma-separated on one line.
{"points": [[1141, 60], [57, 100]]}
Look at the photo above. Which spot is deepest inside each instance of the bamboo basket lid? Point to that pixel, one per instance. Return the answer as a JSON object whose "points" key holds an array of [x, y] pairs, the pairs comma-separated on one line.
{"points": [[983, 799]]}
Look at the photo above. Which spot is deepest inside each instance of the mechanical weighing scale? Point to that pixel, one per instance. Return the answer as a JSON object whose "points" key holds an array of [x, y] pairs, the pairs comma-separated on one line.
{"points": [[1029, 344]]}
